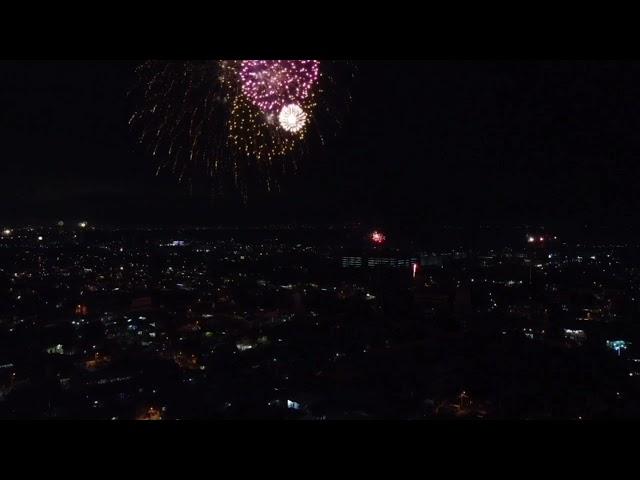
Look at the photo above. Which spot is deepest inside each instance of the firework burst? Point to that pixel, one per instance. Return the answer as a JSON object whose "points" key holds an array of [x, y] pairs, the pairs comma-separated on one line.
{"points": [[273, 84], [236, 123]]}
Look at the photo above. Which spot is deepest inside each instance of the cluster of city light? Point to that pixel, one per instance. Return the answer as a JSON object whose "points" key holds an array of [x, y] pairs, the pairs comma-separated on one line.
{"points": [[540, 239], [618, 346]]}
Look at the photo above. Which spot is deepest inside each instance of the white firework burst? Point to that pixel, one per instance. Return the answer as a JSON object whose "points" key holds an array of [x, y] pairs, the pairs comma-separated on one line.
{"points": [[292, 118]]}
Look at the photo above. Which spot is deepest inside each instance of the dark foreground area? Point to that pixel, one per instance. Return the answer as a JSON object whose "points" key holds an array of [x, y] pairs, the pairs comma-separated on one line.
{"points": [[315, 323]]}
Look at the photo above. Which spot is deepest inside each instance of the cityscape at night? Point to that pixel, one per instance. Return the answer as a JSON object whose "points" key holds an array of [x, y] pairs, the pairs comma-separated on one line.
{"points": [[302, 322], [319, 240]]}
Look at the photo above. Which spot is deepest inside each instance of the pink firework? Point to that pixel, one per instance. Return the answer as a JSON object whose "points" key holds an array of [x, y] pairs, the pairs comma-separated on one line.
{"points": [[273, 84], [378, 237]]}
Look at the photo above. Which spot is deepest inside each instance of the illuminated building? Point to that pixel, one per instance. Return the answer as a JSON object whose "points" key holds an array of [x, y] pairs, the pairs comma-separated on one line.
{"points": [[56, 350], [348, 262], [390, 262], [618, 346], [186, 361], [97, 361], [577, 337], [376, 261], [151, 413], [431, 260]]}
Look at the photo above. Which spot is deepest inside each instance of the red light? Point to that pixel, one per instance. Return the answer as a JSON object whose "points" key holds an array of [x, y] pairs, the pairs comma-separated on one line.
{"points": [[378, 237]]}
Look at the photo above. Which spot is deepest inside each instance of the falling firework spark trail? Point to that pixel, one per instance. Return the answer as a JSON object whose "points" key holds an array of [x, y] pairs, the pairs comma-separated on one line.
{"points": [[236, 124]]}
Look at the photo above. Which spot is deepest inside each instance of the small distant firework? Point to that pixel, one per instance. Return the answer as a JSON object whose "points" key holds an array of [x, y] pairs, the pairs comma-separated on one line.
{"points": [[236, 122], [378, 237]]}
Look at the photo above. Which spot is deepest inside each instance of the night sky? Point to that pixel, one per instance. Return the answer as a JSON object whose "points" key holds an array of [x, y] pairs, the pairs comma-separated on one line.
{"points": [[424, 142]]}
